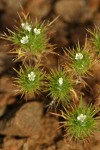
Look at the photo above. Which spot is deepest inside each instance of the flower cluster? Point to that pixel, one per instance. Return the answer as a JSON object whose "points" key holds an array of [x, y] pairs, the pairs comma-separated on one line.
{"points": [[25, 39], [60, 81], [37, 31], [79, 56], [81, 117], [31, 76], [26, 26]]}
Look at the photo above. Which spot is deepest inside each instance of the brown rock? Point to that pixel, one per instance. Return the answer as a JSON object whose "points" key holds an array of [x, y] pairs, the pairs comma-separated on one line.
{"points": [[94, 4], [97, 20], [39, 8], [26, 122], [47, 136], [73, 11], [13, 144], [5, 62], [9, 11], [7, 93]]}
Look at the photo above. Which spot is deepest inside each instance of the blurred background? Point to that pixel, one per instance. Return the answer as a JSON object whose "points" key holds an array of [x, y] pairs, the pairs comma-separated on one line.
{"points": [[75, 16]]}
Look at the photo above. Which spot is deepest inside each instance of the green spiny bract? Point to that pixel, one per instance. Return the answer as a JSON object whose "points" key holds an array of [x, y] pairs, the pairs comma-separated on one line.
{"points": [[80, 122], [80, 61], [30, 80], [95, 39], [59, 86], [29, 39]]}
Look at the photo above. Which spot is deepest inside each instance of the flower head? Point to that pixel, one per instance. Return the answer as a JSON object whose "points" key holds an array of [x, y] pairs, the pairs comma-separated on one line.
{"points": [[79, 56], [30, 80], [26, 26], [81, 117], [24, 40], [80, 121], [31, 76], [59, 86], [37, 31], [60, 81]]}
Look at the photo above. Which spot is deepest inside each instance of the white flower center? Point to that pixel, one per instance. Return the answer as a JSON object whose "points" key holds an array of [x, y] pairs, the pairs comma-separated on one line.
{"points": [[37, 31], [26, 26], [60, 81], [24, 40], [31, 76], [79, 56], [81, 117]]}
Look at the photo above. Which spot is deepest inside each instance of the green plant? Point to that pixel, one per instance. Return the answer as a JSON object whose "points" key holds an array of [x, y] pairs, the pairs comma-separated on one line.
{"points": [[80, 60], [29, 40], [31, 43], [29, 80], [80, 121], [59, 85], [95, 39]]}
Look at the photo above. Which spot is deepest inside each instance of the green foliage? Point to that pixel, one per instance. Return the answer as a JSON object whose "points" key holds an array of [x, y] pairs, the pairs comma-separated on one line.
{"points": [[30, 80], [28, 38], [95, 38], [32, 42], [59, 85], [80, 122], [81, 61]]}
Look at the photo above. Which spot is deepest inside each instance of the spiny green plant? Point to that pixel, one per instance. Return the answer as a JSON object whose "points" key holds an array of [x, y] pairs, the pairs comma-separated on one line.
{"points": [[59, 85], [95, 39], [32, 42], [80, 60], [29, 80], [80, 121], [28, 39]]}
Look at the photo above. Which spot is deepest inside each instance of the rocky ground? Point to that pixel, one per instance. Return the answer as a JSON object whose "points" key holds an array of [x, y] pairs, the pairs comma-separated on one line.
{"points": [[28, 125]]}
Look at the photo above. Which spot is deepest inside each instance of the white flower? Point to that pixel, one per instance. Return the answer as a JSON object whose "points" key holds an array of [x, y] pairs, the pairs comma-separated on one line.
{"points": [[81, 117], [37, 31], [60, 81], [31, 76], [24, 40], [79, 56], [26, 26]]}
